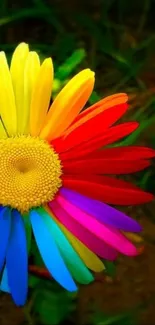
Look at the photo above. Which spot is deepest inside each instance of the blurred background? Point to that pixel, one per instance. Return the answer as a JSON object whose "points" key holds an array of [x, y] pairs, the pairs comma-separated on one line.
{"points": [[115, 38]]}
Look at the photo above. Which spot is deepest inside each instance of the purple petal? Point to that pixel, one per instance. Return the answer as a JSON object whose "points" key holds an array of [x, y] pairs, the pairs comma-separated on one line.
{"points": [[101, 211], [88, 239]]}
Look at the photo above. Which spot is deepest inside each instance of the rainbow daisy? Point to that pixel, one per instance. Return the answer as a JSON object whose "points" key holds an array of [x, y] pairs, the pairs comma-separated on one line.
{"points": [[54, 175]]}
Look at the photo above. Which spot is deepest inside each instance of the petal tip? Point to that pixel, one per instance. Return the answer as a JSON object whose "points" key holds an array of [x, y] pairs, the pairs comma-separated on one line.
{"points": [[73, 289], [48, 62], [132, 251], [23, 45]]}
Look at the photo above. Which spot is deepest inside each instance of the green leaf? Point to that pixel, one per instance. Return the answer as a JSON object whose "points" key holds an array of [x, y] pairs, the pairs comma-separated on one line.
{"points": [[45, 13], [110, 268], [52, 303], [33, 281], [136, 134], [57, 85], [36, 255], [132, 72], [66, 69], [94, 98], [144, 180], [50, 314], [63, 47]]}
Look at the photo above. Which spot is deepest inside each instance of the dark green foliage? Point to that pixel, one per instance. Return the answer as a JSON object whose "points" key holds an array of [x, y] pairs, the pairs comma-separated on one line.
{"points": [[110, 268], [51, 304]]}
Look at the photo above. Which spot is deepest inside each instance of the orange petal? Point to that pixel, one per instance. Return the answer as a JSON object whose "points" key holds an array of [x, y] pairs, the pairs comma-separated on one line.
{"points": [[68, 104], [102, 105], [94, 127]]}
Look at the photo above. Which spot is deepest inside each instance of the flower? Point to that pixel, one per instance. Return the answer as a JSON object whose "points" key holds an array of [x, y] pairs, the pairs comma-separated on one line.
{"points": [[54, 176]]}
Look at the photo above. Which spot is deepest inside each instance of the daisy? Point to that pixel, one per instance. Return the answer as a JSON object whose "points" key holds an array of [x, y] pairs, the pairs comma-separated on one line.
{"points": [[54, 175]]}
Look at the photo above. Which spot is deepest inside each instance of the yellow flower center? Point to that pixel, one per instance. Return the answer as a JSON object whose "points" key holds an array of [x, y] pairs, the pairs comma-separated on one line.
{"points": [[30, 172]]}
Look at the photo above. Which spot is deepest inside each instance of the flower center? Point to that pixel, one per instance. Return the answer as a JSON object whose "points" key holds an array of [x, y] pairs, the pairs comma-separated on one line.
{"points": [[30, 172]]}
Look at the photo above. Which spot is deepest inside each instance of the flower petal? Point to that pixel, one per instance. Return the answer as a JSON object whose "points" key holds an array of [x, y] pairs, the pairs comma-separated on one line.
{"points": [[133, 237], [4, 282], [5, 227], [107, 189], [104, 166], [68, 104], [111, 236], [93, 128], [111, 135], [41, 97], [75, 265], [97, 108], [94, 243], [31, 71], [130, 153], [17, 73], [102, 212], [28, 231], [7, 99], [88, 257], [2, 131], [50, 253], [17, 260]]}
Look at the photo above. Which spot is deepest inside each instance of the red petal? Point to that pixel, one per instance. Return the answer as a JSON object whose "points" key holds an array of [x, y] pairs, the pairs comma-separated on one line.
{"points": [[104, 166], [107, 189], [112, 135], [93, 128], [124, 153], [106, 103]]}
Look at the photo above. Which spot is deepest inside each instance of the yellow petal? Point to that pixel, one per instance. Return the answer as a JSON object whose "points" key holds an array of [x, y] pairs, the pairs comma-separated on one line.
{"points": [[88, 257], [133, 237], [2, 131], [31, 71], [68, 104], [17, 73], [7, 98], [41, 97]]}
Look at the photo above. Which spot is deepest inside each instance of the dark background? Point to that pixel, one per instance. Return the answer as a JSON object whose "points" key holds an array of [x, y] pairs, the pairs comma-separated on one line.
{"points": [[115, 38]]}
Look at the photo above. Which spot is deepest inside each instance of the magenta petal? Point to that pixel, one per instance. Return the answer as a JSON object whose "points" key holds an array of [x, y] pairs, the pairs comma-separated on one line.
{"points": [[87, 238], [101, 211], [107, 234]]}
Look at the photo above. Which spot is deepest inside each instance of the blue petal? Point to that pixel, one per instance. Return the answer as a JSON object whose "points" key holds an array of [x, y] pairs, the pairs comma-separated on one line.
{"points": [[17, 260], [50, 253], [71, 258], [28, 230], [4, 282], [5, 226]]}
